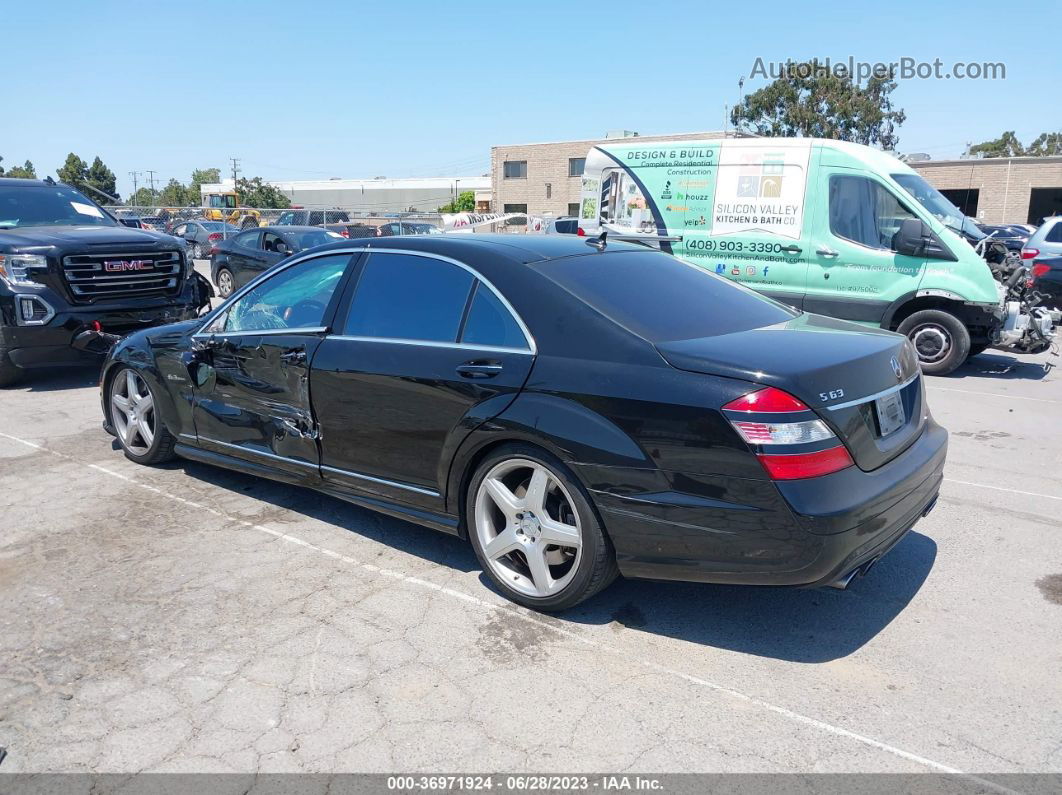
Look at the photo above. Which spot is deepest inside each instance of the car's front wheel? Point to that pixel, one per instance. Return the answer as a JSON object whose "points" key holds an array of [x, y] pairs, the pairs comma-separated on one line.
{"points": [[226, 282], [142, 434], [197, 251], [535, 532], [940, 339]]}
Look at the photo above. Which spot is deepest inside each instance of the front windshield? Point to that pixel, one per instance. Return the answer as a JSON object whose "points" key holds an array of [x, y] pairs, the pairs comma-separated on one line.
{"points": [[48, 206], [938, 204]]}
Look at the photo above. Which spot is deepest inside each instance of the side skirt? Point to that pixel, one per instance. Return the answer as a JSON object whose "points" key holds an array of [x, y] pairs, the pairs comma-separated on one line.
{"points": [[443, 522]]}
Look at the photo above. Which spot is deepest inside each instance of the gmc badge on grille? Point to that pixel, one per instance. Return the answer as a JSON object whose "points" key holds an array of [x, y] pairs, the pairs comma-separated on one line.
{"points": [[122, 265]]}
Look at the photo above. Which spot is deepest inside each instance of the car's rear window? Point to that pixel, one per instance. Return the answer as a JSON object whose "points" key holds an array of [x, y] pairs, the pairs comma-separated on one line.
{"points": [[660, 298]]}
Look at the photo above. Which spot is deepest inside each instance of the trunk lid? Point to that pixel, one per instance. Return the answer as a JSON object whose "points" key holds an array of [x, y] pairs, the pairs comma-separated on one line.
{"points": [[845, 373]]}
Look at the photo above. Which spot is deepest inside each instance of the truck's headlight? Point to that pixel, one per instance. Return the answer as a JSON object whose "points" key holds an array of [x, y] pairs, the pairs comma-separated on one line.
{"points": [[15, 268]]}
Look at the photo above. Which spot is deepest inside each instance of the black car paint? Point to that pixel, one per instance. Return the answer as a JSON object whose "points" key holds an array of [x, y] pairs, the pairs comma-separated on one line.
{"points": [[52, 344], [680, 494], [245, 263]]}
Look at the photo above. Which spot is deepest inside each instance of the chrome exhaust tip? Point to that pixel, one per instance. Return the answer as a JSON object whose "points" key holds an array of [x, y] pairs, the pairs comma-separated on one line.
{"points": [[842, 582]]}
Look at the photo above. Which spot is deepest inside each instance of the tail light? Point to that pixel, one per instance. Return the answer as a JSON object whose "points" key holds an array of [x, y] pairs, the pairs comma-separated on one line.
{"points": [[214, 237], [213, 250], [1039, 270], [345, 232], [755, 417], [581, 232], [1030, 253]]}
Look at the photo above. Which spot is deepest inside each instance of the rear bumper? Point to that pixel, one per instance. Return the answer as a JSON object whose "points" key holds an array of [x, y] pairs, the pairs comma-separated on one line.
{"points": [[797, 533]]}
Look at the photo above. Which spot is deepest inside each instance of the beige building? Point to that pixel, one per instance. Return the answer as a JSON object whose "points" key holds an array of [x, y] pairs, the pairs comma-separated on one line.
{"points": [[543, 179], [1017, 190]]}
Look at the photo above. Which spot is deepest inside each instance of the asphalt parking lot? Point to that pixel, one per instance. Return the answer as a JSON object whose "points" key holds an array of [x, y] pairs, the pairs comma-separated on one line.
{"points": [[187, 618]]}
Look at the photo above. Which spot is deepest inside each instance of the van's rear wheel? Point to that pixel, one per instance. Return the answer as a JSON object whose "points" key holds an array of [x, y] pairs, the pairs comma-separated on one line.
{"points": [[940, 339]]}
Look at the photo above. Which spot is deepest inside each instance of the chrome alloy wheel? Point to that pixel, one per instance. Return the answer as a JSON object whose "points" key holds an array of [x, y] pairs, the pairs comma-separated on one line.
{"points": [[133, 412], [226, 284], [528, 528]]}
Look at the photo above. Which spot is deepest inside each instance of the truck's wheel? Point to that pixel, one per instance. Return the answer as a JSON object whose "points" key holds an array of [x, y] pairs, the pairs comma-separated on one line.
{"points": [[977, 348], [9, 373], [249, 223], [939, 338]]}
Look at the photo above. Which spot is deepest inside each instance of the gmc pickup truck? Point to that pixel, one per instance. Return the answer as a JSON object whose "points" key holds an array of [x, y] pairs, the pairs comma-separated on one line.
{"points": [[68, 266]]}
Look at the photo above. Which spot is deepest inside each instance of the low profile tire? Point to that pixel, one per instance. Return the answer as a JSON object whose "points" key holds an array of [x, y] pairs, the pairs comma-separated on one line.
{"points": [[225, 282], [939, 338], [980, 347], [535, 532], [142, 434], [10, 374]]}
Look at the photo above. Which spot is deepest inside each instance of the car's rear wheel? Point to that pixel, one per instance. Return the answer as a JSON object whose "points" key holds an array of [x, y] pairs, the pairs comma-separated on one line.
{"points": [[197, 251], [142, 434], [535, 532], [226, 282], [940, 339]]}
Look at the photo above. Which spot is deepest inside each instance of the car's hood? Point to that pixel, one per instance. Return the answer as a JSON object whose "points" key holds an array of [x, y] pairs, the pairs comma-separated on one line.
{"points": [[64, 236]]}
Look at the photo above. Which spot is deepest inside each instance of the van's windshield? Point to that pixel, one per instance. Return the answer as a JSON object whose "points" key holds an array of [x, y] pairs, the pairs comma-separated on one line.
{"points": [[938, 204]]}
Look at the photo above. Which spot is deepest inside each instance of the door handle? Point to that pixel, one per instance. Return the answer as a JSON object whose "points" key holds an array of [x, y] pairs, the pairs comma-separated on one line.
{"points": [[479, 369], [790, 249], [296, 356], [826, 251]]}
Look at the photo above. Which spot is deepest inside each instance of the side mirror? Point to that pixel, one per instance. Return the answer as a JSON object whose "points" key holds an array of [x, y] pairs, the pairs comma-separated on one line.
{"points": [[910, 239], [281, 248]]}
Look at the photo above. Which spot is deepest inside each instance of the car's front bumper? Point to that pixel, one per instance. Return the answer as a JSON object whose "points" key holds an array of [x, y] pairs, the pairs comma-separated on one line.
{"points": [[795, 533], [53, 344]]}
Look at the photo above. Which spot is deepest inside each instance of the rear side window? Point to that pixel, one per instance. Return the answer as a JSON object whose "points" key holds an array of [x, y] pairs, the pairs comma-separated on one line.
{"points": [[661, 298], [865, 212], [1054, 234], [247, 239], [490, 323], [403, 296]]}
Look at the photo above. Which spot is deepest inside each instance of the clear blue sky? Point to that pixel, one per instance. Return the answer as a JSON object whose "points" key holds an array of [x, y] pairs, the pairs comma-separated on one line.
{"points": [[320, 89]]}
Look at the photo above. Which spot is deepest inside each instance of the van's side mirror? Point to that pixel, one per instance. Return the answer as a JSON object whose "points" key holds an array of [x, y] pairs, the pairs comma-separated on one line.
{"points": [[910, 238], [915, 239]]}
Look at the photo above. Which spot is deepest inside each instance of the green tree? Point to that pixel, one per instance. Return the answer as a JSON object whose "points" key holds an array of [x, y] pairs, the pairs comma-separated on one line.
{"points": [[201, 176], [1046, 145], [102, 179], [174, 194], [1006, 145], [255, 193], [809, 99], [21, 172], [73, 172], [1, 168], [143, 198], [464, 203]]}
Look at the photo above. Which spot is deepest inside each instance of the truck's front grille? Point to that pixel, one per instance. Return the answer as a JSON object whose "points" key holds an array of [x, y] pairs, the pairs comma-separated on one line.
{"points": [[95, 276]]}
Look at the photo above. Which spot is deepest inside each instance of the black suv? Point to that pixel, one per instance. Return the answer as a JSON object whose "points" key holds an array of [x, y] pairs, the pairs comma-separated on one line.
{"points": [[67, 266]]}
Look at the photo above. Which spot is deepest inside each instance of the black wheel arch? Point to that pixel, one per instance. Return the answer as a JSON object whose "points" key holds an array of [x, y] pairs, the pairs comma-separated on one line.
{"points": [[978, 319], [140, 360]]}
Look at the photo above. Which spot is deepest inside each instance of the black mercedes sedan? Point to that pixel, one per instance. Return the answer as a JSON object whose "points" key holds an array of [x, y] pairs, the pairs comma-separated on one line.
{"points": [[576, 410]]}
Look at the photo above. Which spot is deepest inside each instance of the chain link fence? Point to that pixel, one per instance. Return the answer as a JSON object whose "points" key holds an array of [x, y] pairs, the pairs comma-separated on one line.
{"points": [[347, 222]]}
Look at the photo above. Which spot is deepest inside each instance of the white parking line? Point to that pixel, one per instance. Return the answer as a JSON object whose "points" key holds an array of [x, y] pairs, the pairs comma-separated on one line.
{"points": [[535, 618], [1001, 488], [992, 394]]}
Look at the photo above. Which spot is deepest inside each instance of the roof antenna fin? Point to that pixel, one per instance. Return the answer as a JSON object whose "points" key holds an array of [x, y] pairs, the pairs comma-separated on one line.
{"points": [[600, 241]]}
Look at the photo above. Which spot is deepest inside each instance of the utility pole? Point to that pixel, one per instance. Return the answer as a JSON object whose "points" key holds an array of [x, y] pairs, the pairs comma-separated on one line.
{"points": [[235, 170], [134, 175], [151, 182]]}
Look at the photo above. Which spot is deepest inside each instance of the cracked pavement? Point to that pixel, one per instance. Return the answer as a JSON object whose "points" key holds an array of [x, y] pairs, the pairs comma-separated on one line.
{"points": [[190, 619]]}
